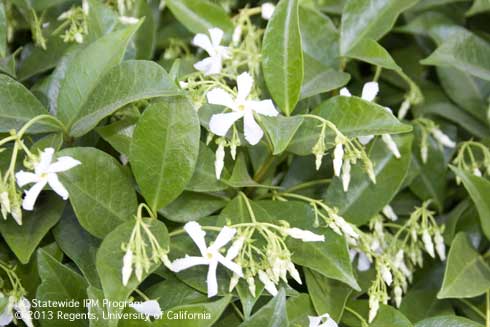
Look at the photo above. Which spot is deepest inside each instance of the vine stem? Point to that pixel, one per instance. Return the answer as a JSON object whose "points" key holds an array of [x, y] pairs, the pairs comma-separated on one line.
{"points": [[357, 315]]}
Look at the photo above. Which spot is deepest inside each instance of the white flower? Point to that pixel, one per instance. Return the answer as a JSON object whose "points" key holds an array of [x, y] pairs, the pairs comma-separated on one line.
{"points": [[440, 246], [322, 321], [346, 175], [268, 284], [23, 307], [345, 227], [219, 161], [338, 157], [149, 308], [386, 274], [211, 255], [128, 20], [398, 296], [389, 213], [127, 268], [241, 106], [373, 308], [442, 138], [211, 44], [78, 37], [429, 246], [293, 272], [45, 173], [304, 235], [391, 145], [267, 10]]}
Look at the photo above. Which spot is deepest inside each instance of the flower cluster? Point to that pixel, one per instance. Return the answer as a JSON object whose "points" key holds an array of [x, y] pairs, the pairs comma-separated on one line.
{"points": [[271, 263], [429, 128], [76, 20], [473, 157], [14, 300], [136, 257]]}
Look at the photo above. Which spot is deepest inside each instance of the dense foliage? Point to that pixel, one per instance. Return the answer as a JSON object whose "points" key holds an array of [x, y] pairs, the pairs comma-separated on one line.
{"points": [[244, 163]]}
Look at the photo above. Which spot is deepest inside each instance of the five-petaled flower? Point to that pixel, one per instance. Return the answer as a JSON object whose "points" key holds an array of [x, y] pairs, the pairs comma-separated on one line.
{"points": [[210, 256], [211, 44], [45, 172], [322, 321], [241, 106]]}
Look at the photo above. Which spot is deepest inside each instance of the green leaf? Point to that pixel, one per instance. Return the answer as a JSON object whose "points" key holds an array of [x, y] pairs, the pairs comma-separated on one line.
{"points": [[145, 37], [24, 239], [78, 245], [176, 293], [119, 134], [59, 283], [387, 316], [110, 259], [479, 190], [365, 199], [3, 31], [282, 56], [164, 150], [327, 295], [447, 321], [419, 304], [479, 6], [329, 258], [192, 206], [352, 116], [18, 105], [273, 314], [86, 70], [466, 52], [321, 81], [281, 130], [299, 308], [198, 16], [100, 192], [369, 19], [204, 177], [372, 52], [467, 274], [130, 81], [214, 309]]}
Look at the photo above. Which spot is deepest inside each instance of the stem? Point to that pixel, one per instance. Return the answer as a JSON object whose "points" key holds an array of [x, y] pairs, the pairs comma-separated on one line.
{"points": [[472, 307], [249, 207], [308, 184], [357, 315], [233, 305]]}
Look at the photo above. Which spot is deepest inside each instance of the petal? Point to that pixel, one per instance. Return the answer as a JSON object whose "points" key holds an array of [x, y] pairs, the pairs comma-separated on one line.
{"points": [[197, 234], [44, 161], [209, 66], [220, 97], [369, 91], [233, 266], [6, 317], [32, 194], [253, 132], [363, 262], [24, 178], [345, 92], [56, 185], [216, 36], [221, 123], [212, 281], [149, 308], [224, 236], [187, 262], [244, 85], [314, 321], [202, 41], [264, 107], [63, 164]]}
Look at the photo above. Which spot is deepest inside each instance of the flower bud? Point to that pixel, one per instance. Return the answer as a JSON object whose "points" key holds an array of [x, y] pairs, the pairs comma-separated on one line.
{"points": [[391, 145], [390, 213], [442, 138], [251, 285], [268, 284], [373, 308], [424, 152], [428, 245], [127, 268], [346, 175], [304, 235], [398, 296], [402, 112], [293, 272], [237, 35], [233, 282], [267, 10], [440, 246], [386, 274], [338, 156], [219, 162]]}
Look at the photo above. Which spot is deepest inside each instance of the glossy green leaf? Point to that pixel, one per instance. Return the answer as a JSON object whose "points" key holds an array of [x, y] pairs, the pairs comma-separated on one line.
{"points": [[110, 258], [372, 52], [365, 199], [281, 130], [419, 304], [321, 81], [192, 206], [59, 283], [273, 314], [478, 7], [198, 16], [447, 321], [3, 31], [299, 309], [164, 150], [467, 274], [100, 192], [466, 52], [479, 190], [18, 105], [352, 116], [369, 19], [204, 177], [24, 239], [214, 309], [119, 134], [145, 37], [88, 68], [128, 82], [387, 316], [78, 245], [327, 295], [173, 293], [282, 57]]}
